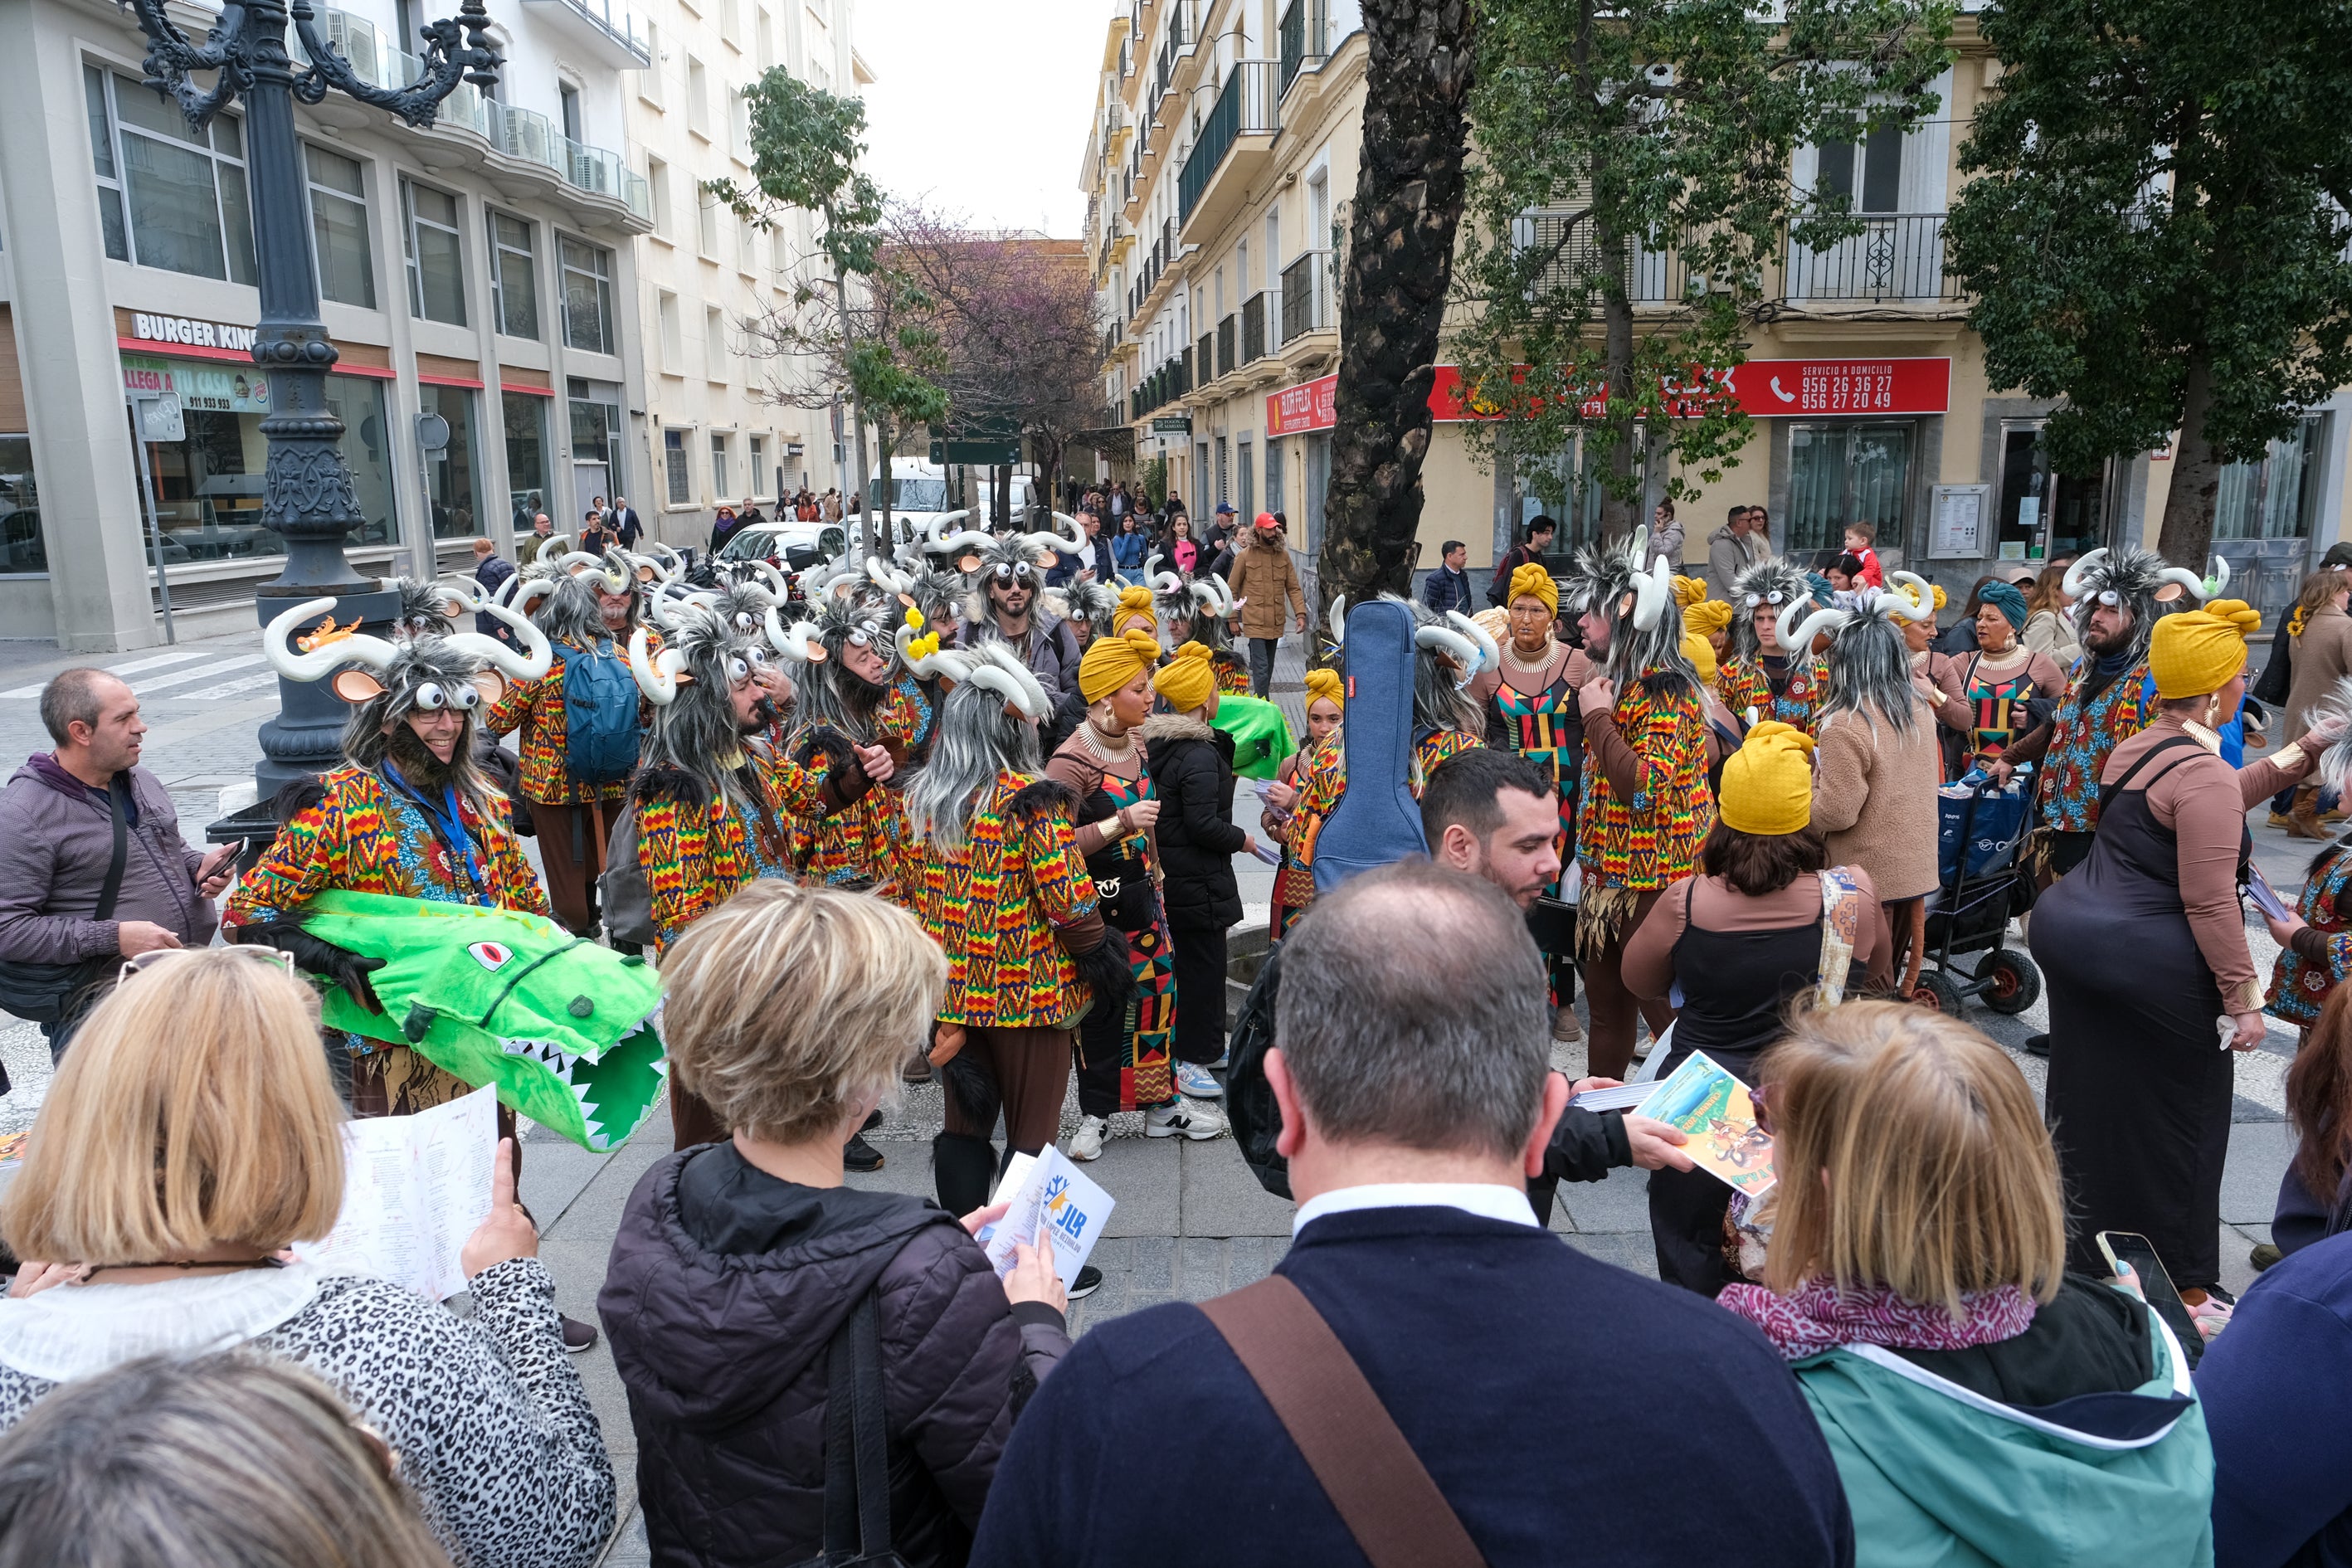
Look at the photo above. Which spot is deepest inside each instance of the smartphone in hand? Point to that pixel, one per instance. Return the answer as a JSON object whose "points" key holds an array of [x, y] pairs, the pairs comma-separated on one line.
{"points": [[2156, 1286]]}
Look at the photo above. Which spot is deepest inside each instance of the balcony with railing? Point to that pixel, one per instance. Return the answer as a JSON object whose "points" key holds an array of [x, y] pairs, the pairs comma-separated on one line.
{"points": [[1897, 257], [1253, 329], [1225, 339], [612, 34], [1205, 360], [1305, 38], [1241, 123], [1306, 295]]}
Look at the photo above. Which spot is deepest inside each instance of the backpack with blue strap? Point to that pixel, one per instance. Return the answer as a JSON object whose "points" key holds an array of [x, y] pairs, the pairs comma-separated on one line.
{"points": [[600, 714]]}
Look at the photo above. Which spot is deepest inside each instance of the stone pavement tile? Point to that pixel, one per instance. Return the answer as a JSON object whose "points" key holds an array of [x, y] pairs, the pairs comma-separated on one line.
{"points": [[556, 1171], [2236, 1268], [1620, 1202], [2259, 1154], [1628, 1249], [1250, 1258], [1143, 1176], [1222, 1198], [629, 1548], [1200, 1268]]}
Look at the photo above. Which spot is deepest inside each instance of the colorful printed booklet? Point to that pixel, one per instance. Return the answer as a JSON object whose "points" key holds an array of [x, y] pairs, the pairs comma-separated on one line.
{"points": [[1712, 1109], [1053, 1197]]}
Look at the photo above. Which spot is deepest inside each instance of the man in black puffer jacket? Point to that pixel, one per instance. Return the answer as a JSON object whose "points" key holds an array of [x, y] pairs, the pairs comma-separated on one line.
{"points": [[1193, 774], [788, 1009]]}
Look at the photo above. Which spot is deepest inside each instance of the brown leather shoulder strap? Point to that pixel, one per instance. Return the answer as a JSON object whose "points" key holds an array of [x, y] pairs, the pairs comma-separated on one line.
{"points": [[1380, 1486]]}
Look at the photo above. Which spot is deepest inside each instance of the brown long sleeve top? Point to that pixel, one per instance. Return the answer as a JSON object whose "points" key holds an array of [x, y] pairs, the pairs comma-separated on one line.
{"points": [[2203, 801], [1649, 967], [1875, 798]]}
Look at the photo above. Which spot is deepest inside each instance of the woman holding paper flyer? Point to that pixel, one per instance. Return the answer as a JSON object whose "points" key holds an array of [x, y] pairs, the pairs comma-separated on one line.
{"points": [[191, 1138], [2144, 947], [1768, 920]]}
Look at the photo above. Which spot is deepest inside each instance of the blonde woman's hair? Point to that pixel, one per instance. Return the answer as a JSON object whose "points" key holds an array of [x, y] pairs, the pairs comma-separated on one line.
{"points": [[788, 1006], [1910, 1155], [188, 1464], [193, 1112]]}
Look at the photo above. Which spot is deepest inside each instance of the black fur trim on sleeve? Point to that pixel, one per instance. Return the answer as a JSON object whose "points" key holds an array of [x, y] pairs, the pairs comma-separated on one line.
{"points": [[669, 784], [1035, 802], [296, 797], [1108, 968], [829, 742], [976, 1093]]}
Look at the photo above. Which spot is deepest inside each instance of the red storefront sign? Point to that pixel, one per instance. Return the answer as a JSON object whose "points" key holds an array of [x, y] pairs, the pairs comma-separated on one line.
{"points": [[1764, 388]]}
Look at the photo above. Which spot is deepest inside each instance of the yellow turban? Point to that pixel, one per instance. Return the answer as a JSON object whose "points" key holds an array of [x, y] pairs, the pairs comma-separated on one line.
{"points": [[1942, 598], [1134, 605], [1531, 578], [1700, 652], [1186, 681], [1111, 662], [2197, 651], [1768, 785], [1706, 617], [1325, 686], [1690, 591]]}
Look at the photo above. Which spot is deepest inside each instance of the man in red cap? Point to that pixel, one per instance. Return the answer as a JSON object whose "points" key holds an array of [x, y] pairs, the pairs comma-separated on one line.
{"points": [[1263, 581]]}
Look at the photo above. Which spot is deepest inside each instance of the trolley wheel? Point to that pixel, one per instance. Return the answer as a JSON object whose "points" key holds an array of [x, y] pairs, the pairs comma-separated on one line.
{"points": [[2015, 983], [1935, 989]]}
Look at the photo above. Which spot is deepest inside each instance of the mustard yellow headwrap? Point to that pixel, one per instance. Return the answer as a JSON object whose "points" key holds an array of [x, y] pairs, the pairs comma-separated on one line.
{"points": [[1111, 662], [1942, 598], [1186, 681], [1768, 785], [1700, 652], [1134, 605], [1531, 578], [1325, 686], [1690, 591], [2197, 651], [1706, 617]]}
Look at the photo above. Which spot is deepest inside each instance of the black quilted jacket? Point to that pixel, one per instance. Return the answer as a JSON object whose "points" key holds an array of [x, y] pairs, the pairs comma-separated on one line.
{"points": [[726, 1285]]}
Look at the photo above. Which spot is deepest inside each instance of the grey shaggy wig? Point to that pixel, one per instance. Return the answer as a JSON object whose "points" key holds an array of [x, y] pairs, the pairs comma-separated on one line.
{"points": [[1439, 698], [2132, 575], [829, 694], [426, 660], [1870, 666], [979, 737], [1773, 574], [697, 733], [1600, 580]]}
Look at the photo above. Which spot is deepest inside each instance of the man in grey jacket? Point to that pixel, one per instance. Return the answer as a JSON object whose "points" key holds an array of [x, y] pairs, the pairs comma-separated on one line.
{"points": [[57, 840], [1733, 549]]}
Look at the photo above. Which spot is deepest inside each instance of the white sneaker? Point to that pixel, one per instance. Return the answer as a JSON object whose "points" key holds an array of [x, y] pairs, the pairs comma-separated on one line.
{"points": [[1183, 1118], [1085, 1144]]}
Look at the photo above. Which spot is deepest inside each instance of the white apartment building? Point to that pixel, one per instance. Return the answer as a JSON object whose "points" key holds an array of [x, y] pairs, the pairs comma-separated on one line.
{"points": [[710, 436], [482, 269]]}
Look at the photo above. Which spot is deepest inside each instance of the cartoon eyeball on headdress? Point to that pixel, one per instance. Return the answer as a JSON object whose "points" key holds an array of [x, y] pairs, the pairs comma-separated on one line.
{"points": [[1774, 598], [1014, 573], [431, 697]]}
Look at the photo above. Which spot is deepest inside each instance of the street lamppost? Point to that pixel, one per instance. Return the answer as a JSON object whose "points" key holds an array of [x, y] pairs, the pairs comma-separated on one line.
{"points": [[307, 494]]}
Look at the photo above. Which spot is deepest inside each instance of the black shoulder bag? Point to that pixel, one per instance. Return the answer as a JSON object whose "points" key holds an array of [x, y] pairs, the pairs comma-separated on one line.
{"points": [[50, 993], [856, 1448]]}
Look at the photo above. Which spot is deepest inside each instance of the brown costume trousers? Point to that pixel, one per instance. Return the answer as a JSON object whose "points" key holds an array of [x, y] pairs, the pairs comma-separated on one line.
{"points": [[1031, 1070], [1610, 1044], [572, 852]]}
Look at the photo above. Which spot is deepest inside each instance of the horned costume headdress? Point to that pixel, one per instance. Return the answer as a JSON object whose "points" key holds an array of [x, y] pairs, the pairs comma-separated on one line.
{"points": [[1011, 560], [427, 609], [2140, 582], [1645, 634], [1869, 662], [830, 693], [1774, 581], [563, 601], [1449, 652], [1203, 604], [695, 749]]}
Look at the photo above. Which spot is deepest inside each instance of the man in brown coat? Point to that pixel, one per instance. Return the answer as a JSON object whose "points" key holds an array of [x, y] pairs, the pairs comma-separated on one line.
{"points": [[1263, 581]]}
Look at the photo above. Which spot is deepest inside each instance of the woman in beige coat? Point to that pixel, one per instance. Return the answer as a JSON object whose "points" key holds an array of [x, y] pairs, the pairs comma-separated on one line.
{"points": [[2323, 656]]}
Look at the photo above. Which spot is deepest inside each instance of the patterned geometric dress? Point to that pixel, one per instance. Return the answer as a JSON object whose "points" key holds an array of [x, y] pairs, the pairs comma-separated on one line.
{"points": [[2300, 989], [1535, 726], [1140, 1042], [852, 847], [1629, 846], [1743, 683]]}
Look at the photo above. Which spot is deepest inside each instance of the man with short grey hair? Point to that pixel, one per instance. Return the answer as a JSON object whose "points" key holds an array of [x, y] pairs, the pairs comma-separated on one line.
{"points": [[1530, 1397], [60, 816]]}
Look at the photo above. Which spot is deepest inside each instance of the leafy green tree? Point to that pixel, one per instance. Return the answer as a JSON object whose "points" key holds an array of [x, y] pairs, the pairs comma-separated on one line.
{"points": [[1640, 154], [2155, 234], [806, 145]]}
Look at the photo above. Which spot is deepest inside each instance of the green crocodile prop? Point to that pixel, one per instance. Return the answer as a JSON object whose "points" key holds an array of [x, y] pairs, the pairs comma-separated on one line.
{"points": [[1261, 734], [566, 1030]]}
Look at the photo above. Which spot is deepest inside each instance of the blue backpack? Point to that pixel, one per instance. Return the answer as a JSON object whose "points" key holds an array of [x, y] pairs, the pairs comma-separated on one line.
{"points": [[600, 715]]}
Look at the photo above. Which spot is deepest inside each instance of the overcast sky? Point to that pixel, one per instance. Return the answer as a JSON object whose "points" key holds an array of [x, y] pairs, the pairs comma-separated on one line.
{"points": [[982, 106]]}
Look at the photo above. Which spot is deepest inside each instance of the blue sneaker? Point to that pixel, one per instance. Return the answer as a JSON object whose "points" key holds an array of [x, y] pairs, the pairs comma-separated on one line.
{"points": [[1198, 1082]]}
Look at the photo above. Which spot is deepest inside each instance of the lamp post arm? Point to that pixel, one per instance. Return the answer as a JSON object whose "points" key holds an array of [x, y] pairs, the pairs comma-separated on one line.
{"points": [[456, 49], [171, 57]]}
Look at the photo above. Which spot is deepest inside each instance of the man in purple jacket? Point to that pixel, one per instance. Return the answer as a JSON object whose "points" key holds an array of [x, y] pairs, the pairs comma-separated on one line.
{"points": [[57, 840]]}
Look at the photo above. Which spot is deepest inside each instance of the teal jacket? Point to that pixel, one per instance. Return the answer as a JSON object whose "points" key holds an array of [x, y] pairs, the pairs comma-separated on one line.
{"points": [[1939, 1475]]}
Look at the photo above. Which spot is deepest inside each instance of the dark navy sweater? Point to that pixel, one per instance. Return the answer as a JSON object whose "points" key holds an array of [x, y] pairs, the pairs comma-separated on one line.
{"points": [[2272, 1386], [1569, 1411]]}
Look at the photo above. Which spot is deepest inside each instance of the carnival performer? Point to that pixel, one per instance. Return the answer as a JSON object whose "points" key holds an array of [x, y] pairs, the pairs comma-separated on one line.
{"points": [[1534, 711], [1124, 1055], [1761, 673], [1450, 652], [1876, 764], [1200, 609], [2144, 948], [990, 863], [1294, 884], [1986, 692], [1104, 611], [1004, 602], [580, 720], [1646, 804], [410, 812], [1927, 676], [849, 690], [919, 599]]}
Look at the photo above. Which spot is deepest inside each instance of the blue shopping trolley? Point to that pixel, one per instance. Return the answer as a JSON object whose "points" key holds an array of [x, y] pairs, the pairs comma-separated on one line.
{"points": [[1983, 881]]}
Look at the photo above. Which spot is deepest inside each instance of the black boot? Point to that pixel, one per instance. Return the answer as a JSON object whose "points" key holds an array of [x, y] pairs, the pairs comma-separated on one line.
{"points": [[962, 1166]]}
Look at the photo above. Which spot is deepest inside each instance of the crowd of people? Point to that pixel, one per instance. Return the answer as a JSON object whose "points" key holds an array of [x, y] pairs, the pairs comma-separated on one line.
{"points": [[961, 821]]}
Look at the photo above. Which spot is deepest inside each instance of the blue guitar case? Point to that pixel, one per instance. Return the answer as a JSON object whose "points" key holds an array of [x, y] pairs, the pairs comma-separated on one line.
{"points": [[1378, 822]]}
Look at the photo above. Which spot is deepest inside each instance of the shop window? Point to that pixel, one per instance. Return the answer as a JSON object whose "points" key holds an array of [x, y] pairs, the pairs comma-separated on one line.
{"points": [[2045, 516], [719, 487], [23, 551], [183, 190], [525, 418], [674, 467], [596, 445], [514, 275], [339, 228], [1246, 503], [358, 402], [587, 296], [454, 473], [437, 273], [1843, 473]]}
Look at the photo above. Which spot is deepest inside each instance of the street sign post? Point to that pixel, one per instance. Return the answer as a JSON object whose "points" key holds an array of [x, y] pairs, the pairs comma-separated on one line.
{"points": [[159, 420]]}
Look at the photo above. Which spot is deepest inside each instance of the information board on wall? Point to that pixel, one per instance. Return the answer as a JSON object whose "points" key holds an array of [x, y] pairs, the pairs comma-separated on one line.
{"points": [[1958, 515]]}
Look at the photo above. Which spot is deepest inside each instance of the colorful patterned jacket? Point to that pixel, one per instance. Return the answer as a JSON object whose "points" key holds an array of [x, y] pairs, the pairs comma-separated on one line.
{"points": [[1651, 839], [536, 708], [854, 844], [1742, 685], [2083, 738], [993, 905], [360, 836], [2299, 989], [696, 848]]}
